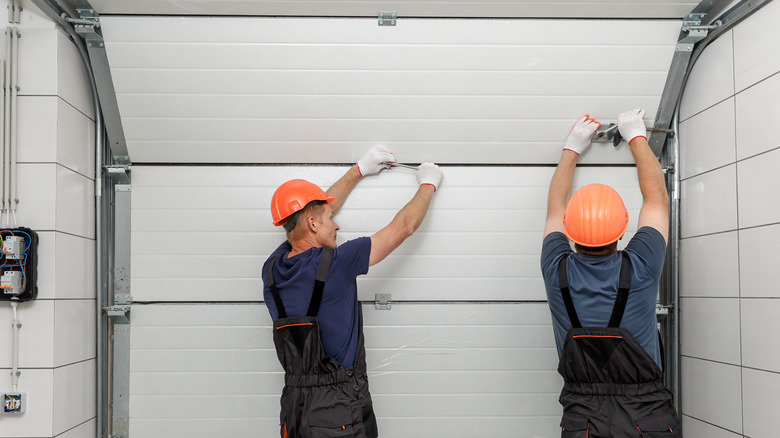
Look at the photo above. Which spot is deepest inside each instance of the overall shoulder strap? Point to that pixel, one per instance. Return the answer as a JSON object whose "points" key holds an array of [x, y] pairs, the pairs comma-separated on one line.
{"points": [[274, 291], [319, 281], [624, 286], [563, 283]]}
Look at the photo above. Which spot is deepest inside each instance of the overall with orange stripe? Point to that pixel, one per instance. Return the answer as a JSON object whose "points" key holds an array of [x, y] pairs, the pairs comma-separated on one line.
{"points": [[320, 398], [612, 387]]}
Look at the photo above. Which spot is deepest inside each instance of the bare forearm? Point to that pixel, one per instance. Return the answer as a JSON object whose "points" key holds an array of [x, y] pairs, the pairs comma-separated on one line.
{"points": [[651, 176], [413, 213], [562, 181], [343, 187], [403, 225]]}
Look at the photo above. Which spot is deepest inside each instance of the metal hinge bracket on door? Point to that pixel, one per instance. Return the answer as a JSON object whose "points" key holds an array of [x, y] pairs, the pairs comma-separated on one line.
{"points": [[387, 18], [86, 26], [382, 301], [119, 313], [119, 173]]}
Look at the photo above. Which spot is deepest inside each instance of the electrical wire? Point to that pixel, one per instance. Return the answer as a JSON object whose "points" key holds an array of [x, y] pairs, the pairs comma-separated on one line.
{"points": [[15, 353]]}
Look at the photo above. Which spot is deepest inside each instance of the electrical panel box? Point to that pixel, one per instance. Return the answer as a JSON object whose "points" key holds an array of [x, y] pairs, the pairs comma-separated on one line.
{"points": [[14, 403], [18, 264]]}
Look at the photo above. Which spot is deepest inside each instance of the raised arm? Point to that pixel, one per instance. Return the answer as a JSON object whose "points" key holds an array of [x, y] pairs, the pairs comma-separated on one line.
{"points": [[561, 184], [409, 218], [371, 162], [655, 206]]}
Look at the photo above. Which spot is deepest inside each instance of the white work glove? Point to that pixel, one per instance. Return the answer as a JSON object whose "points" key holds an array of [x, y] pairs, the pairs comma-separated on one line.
{"points": [[581, 133], [631, 124], [373, 160], [429, 173]]}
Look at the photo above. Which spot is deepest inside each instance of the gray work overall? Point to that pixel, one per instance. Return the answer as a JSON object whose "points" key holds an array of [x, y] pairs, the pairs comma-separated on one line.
{"points": [[612, 387], [321, 399]]}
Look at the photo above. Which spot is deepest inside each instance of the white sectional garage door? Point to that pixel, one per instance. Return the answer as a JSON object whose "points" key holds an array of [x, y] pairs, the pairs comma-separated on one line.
{"points": [[219, 111]]}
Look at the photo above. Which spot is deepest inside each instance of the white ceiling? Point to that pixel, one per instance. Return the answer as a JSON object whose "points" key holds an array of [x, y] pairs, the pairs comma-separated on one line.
{"points": [[641, 9]]}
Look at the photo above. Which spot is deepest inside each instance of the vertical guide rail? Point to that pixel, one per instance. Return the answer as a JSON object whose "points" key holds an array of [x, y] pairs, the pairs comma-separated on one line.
{"points": [[118, 314], [669, 290]]}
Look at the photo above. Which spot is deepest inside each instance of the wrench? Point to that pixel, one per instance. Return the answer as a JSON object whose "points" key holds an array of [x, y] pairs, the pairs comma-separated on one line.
{"points": [[405, 166]]}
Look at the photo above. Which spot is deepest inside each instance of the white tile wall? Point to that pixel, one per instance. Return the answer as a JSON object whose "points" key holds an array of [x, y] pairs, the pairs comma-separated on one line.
{"points": [[711, 266], [698, 429], [707, 140], [64, 270], [52, 130], [74, 395], [54, 197], [75, 140], [754, 40], [75, 203], [760, 389], [87, 429], [712, 329], [76, 276], [756, 116], [37, 128], [74, 337], [716, 395], [758, 262], [72, 81], [708, 202], [711, 79], [758, 179], [36, 336], [55, 188], [712, 392], [37, 192], [759, 326], [36, 422], [37, 62]]}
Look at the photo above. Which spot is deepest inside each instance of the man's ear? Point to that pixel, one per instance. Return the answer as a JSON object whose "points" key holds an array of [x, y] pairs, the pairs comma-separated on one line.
{"points": [[311, 224]]}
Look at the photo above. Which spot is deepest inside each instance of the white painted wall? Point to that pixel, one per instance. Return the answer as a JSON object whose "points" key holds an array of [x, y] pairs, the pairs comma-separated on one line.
{"points": [[730, 211], [56, 192]]}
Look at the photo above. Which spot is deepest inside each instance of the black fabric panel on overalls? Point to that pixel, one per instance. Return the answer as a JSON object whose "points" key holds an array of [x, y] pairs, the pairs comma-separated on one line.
{"points": [[321, 399], [612, 387]]}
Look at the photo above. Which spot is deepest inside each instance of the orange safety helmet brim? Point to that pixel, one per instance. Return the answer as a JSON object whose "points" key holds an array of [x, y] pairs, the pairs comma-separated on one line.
{"points": [[292, 196], [595, 216]]}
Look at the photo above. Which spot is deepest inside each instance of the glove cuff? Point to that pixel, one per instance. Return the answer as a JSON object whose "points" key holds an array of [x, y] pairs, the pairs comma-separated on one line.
{"points": [[635, 137], [429, 184]]}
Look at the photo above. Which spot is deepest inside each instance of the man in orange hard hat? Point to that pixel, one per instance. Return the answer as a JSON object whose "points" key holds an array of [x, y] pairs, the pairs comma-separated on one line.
{"points": [[310, 289], [603, 300]]}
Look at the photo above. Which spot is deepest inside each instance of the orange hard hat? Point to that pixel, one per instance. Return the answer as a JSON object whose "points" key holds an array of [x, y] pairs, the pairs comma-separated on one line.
{"points": [[595, 216], [293, 196]]}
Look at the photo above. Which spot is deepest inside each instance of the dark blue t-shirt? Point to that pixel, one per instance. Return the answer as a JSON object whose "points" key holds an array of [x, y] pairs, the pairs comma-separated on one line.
{"points": [[593, 282], [339, 312]]}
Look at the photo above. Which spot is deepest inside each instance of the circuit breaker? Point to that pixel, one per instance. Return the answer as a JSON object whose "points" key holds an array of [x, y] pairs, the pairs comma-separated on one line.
{"points": [[18, 264]]}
